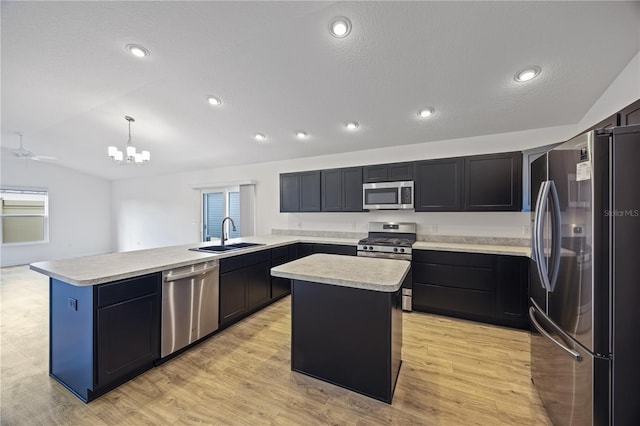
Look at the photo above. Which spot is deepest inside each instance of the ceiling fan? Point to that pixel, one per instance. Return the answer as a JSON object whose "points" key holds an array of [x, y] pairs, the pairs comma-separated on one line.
{"points": [[28, 155]]}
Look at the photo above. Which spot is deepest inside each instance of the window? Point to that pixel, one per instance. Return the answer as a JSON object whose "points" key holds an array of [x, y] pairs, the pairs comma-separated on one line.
{"points": [[25, 216], [218, 204]]}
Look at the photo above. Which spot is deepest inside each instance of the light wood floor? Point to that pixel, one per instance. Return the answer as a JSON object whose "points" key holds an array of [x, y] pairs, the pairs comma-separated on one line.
{"points": [[453, 373]]}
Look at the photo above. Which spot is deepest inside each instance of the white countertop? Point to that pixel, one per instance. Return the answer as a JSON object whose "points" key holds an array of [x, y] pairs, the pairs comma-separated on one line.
{"points": [[92, 270], [366, 273], [474, 248]]}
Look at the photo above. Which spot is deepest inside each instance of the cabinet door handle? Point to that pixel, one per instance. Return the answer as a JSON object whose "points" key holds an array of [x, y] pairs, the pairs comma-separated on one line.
{"points": [[176, 277]]}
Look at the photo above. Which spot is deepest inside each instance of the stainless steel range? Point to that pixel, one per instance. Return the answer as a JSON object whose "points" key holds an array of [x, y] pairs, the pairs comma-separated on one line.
{"points": [[391, 240]]}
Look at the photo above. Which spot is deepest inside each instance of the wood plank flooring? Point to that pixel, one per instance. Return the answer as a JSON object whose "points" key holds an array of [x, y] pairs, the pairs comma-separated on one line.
{"points": [[454, 372]]}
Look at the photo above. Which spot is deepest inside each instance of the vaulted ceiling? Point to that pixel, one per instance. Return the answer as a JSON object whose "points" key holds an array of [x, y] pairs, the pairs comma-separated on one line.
{"points": [[68, 81]]}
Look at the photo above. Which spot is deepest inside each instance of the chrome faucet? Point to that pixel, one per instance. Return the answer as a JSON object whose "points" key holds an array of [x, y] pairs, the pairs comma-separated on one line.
{"points": [[222, 237]]}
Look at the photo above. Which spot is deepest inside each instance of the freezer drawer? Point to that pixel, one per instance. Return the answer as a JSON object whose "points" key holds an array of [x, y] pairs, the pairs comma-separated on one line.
{"points": [[190, 297], [562, 373]]}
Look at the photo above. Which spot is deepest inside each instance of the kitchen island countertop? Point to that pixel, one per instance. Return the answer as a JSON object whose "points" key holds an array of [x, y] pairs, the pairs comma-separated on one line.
{"points": [[366, 273]]}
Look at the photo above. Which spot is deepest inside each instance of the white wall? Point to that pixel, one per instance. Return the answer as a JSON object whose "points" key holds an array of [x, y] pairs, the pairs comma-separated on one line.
{"points": [[80, 220], [164, 210], [623, 91]]}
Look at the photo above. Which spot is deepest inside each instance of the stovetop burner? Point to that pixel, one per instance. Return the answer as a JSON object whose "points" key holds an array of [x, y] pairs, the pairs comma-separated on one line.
{"points": [[388, 241]]}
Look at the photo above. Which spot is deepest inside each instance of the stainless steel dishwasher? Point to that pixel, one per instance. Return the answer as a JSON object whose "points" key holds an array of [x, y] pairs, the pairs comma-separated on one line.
{"points": [[189, 305]]}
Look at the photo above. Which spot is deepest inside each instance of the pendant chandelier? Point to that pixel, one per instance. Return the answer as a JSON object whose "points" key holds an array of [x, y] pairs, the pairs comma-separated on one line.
{"points": [[132, 157]]}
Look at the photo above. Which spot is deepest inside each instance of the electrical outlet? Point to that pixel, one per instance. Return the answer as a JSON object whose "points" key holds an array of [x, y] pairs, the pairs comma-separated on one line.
{"points": [[433, 228], [73, 304], [526, 230], [299, 224]]}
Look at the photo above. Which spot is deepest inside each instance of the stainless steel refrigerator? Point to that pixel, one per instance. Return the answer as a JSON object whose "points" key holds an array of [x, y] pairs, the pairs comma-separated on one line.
{"points": [[585, 279]]}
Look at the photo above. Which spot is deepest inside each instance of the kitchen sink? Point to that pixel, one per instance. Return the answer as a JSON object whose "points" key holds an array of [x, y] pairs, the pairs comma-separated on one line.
{"points": [[226, 247]]}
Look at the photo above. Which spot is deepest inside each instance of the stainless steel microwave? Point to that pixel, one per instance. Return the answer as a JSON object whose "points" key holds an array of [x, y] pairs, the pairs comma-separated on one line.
{"points": [[387, 196]]}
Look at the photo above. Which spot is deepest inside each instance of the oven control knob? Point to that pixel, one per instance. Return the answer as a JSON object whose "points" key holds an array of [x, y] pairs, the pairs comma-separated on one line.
{"points": [[395, 249], [401, 250], [370, 247]]}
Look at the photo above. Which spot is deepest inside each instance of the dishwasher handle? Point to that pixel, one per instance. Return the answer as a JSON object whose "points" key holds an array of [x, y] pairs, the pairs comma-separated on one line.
{"points": [[190, 274]]}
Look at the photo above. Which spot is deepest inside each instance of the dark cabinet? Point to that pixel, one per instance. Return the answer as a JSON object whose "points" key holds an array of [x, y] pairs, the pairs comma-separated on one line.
{"points": [[493, 182], [104, 335], [631, 114], [341, 190], [300, 192], [127, 329], [245, 284], [289, 192], [281, 286], [305, 249], [480, 287], [388, 172], [258, 284], [513, 290], [352, 189], [438, 185], [233, 295]]}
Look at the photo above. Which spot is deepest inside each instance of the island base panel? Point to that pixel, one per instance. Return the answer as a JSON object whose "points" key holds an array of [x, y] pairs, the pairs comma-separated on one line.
{"points": [[71, 337], [346, 336]]}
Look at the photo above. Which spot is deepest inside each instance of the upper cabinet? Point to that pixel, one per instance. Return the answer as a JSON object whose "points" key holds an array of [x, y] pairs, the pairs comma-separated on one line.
{"points": [[388, 172], [631, 114], [438, 185], [493, 182], [341, 190], [478, 183], [300, 192]]}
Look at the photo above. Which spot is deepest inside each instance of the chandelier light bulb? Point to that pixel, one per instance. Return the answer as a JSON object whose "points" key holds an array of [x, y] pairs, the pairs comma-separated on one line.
{"points": [[132, 156]]}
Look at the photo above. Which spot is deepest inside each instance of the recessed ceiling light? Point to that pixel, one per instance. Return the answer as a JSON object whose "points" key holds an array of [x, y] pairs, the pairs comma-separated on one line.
{"points": [[137, 50], [352, 125], [426, 112], [301, 135], [527, 74], [213, 100], [260, 137], [340, 27]]}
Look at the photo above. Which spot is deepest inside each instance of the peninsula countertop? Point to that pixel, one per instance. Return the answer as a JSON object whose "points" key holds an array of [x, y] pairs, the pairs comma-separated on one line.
{"points": [[385, 275], [99, 269]]}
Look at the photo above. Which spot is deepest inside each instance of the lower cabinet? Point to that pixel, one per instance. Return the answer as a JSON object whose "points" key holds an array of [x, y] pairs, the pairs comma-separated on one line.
{"points": [[128, 338], [281, 287], [305, 249], [103, 335], [480, 287], [245, 284]]}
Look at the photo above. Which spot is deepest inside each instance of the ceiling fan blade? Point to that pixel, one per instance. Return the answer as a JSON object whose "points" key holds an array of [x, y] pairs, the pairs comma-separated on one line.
{"points": [[42, 158]]}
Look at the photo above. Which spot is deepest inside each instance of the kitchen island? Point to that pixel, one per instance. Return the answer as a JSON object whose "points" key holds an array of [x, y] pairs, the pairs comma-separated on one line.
{"points": [[346, 320]]}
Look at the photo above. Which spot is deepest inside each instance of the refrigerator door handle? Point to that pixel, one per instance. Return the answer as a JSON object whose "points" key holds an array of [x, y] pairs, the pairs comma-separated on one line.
{"points": [[555, 236], [538, 235], [534, 240], [573, 354]]}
